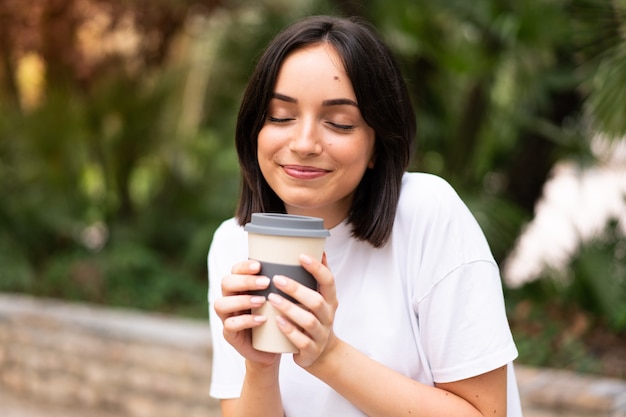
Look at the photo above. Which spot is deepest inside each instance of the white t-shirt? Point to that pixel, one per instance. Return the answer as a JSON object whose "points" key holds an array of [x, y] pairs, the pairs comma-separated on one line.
{"points": [[428, 304]]}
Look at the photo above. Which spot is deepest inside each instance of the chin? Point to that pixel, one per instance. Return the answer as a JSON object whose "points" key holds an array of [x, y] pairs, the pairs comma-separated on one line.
{"points": [[301, 205]]}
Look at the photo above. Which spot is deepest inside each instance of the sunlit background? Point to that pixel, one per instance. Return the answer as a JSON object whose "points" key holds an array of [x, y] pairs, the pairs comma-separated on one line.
{"points": [[117, 160]]}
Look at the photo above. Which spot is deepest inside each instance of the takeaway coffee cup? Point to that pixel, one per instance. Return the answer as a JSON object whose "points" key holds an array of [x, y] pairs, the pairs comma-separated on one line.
{"points": [[276, 241]]}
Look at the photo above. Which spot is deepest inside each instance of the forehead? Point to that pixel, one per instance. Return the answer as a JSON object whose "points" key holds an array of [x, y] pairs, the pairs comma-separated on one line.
{"points": [[321, 48], [314, 69]]}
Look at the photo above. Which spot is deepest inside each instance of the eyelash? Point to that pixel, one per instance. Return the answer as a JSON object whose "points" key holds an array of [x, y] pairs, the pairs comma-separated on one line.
{"points": [[335, 125], [278, 120], [346, 128]]}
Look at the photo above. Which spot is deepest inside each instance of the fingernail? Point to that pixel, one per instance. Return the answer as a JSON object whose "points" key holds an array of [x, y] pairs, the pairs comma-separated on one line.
{"points": [[281, 321], [260, 319], [274, 298], [254, 266], [257, 299], [280, 281], [306, 259], [262, 282]]}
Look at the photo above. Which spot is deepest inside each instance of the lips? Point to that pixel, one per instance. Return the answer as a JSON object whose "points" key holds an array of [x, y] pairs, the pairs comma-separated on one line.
{"points": [[304, 172]]}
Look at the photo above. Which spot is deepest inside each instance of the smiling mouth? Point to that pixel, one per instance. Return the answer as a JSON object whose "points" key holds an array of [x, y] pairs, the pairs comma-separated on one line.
{"points": [[304, 172]]}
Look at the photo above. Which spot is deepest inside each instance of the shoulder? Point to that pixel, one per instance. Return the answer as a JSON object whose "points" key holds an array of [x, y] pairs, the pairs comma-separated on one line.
{"points": [[229, 242], [433, 220], [228, 229], [424, 193]]}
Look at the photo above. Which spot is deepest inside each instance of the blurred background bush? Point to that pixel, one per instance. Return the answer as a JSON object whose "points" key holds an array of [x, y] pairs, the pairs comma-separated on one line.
{"points": [[117, 160]]}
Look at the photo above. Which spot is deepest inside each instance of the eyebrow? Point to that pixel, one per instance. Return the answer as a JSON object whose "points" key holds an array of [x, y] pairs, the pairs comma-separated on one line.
{"points": [[331, 102]]}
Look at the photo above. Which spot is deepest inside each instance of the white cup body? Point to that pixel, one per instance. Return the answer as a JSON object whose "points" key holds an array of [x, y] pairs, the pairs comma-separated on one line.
{"points": [[283, 250]]}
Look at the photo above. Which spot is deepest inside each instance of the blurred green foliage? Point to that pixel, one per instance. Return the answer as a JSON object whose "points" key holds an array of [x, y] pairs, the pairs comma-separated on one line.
{"points": [[112, 185], [575, 318]]}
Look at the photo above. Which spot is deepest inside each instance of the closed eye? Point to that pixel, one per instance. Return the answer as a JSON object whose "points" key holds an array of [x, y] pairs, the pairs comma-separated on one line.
{"points": [[279, 120], [342, 126]]}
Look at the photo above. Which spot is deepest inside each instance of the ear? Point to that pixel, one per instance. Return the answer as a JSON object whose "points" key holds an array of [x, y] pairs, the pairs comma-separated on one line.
{"points": [[372, 161]]}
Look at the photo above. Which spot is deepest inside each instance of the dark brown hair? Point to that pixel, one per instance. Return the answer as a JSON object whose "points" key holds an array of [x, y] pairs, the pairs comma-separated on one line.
{"points": [[384, 104]]}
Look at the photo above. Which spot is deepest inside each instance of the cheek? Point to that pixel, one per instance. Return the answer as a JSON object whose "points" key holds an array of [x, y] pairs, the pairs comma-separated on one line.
{"points": [[268, 146], [264, 145], [268, 141], [367, 154], [354, 165]]}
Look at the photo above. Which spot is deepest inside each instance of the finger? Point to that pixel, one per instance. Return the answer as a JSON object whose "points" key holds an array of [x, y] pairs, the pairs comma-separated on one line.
{"points": [[309, 347], [301, 340], [236, 324], [310, 299], [323, 275], [236, 304], [303, 319], [241, 284], [249, 266]]}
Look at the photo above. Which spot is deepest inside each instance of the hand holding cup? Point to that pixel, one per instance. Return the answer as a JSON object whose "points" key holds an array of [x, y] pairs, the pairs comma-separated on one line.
{"points": [[276, 241]]}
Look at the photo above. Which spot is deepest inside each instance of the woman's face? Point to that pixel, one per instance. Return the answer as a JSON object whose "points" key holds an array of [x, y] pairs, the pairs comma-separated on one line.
{"points": [[314, 146]]}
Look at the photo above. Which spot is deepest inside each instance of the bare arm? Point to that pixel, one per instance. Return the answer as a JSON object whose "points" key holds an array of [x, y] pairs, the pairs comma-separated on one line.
{"points": [[380, 391], [369, 385], [260, 394]]}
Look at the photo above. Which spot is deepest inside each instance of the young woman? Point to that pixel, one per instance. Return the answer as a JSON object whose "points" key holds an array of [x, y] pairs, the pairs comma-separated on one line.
{"points": [[409, 316]]}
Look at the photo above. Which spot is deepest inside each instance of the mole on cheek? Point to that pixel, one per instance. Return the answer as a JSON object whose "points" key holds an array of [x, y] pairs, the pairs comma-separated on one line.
{"points": [[336, 78]]}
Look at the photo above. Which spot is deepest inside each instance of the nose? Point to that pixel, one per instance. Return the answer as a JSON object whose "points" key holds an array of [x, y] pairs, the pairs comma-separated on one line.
{"points": [[306, 140]]}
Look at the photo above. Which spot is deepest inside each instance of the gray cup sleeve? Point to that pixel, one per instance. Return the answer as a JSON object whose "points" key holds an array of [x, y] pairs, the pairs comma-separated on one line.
{"points": [[295, 272]]}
